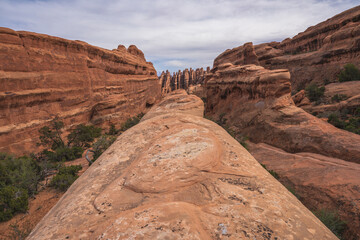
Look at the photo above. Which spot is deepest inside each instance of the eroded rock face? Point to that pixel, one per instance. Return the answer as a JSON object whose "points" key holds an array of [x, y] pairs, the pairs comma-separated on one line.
{"points": [[257, 103], [349, 94], [315, 55], [326, 183], [43, 76], [177, 175], [300, 99], [182, 79]]}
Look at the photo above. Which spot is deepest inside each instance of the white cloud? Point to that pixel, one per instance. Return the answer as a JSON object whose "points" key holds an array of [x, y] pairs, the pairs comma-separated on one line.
{"points": [[172, 34], [175, 63]]}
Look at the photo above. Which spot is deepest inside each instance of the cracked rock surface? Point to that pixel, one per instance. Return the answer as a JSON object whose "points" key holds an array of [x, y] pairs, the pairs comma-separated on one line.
{"points": [[177, 175]]}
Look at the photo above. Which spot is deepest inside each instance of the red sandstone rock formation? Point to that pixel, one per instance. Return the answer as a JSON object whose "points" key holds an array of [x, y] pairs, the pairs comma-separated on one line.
{"points": [[326, 183], [300, 99], [351, 101], [43, 76], [257, 102], [182, 79], [177, 175], [315, 55]]}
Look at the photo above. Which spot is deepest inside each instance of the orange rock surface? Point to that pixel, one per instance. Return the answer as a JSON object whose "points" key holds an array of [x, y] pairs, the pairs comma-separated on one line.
{"points": [[43, 76], [305, 151], [177, 175], [257, 102], [327, 183], [349, 90], [315, 55], [182, 79]]}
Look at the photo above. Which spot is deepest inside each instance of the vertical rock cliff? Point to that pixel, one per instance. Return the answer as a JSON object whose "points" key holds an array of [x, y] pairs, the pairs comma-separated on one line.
{"points": [[43, 76], [177, 175], [182, 79]]}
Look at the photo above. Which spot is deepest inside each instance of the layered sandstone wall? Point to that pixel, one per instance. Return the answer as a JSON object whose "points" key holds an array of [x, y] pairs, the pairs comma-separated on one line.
{"points": [[176, 175], [258, 103], [182, 79], [43, 76], [307, 153], [315, 55]]}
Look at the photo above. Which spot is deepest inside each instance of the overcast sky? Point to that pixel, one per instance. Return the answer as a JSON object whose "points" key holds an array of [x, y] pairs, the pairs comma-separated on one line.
{"points": [[172, 34]]}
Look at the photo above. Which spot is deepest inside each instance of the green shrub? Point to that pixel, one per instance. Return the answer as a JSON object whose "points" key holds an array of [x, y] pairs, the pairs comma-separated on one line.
{"points": [[65, 177], [339, 97], [50, 136], [71, 170], [79, 138], [332, 221], [18, 232], [349, 73], [351, 124], [112, 130], [130, 122], [336, 121], [357, 112], [63, 154], [83, 135], [22, 172], [12, 200], [314, 93], [103, 143], [292, 190], [273, 173], [19, 178]]}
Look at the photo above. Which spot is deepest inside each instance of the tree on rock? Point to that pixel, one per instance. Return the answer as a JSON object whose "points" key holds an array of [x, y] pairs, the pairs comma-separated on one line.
{"points": [[349, 73], [78, 139]]}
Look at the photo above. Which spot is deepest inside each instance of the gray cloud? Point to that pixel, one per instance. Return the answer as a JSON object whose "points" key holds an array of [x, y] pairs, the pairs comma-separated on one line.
{"points": [[172, 34]]}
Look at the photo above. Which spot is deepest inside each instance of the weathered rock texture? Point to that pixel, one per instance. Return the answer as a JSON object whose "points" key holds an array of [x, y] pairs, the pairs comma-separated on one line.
{"points": [[300, 99], [327, 183], [316, 55], [43, 76], [257, 102], [178, 176], [349, 90], [182, 79]]}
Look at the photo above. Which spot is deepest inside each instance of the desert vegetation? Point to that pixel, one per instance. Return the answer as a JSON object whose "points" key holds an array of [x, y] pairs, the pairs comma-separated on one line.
{"points": [[65, 177], [349, 73], [57, 149], [314, 93], [331, 220], [347, 119], [273, 173], [20, 176]]}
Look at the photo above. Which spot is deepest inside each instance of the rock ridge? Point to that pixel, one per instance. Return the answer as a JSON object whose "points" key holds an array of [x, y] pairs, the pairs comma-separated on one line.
{"points": [[177, 175]]}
